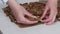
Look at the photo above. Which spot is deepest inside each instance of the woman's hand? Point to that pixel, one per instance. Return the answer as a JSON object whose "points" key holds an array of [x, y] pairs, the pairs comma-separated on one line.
{"points": [[19, 12], [52, 6]]}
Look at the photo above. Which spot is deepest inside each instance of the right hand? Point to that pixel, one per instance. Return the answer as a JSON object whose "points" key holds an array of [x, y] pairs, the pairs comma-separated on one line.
{"points": [[19, 12]]}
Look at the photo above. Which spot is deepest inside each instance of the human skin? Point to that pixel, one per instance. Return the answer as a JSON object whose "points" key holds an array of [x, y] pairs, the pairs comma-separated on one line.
{"points": [[19, 12], [52, 6]]}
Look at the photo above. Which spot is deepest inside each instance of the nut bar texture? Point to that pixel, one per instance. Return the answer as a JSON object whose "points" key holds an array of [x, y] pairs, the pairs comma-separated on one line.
{"points": [[35, 8]]}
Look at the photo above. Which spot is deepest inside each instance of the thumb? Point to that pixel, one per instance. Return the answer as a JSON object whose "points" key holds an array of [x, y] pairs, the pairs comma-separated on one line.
{"points": [[30, 15], [45, 11]]}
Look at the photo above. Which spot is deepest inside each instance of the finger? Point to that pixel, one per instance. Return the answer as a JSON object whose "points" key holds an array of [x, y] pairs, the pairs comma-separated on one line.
{"points": [[52, 14], [51, 22], [46, 20], [30, 15], [53, 19], [26, 21], [49, 18], [45, 11], [46, 17]]}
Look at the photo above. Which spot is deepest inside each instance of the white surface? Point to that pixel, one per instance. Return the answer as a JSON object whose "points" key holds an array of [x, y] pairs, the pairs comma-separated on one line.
{"points": [[7, 27]]}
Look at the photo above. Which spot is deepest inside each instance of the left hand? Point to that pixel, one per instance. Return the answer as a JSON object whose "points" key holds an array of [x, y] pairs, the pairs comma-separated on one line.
{"points": [[52, 14]]}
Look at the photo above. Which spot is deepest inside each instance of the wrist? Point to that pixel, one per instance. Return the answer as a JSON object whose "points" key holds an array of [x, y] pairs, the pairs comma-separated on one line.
{"points": [[53, 4]]}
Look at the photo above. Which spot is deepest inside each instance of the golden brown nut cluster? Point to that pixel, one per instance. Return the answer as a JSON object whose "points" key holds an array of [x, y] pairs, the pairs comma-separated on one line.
{"points": [[36, 8]]}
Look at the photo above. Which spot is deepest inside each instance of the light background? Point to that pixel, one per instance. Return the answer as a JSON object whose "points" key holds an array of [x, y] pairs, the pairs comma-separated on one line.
{"points": [[7, 27]]}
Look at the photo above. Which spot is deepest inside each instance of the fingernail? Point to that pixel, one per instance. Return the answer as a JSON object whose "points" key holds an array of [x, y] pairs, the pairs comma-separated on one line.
{"points": [[34, 16]]}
